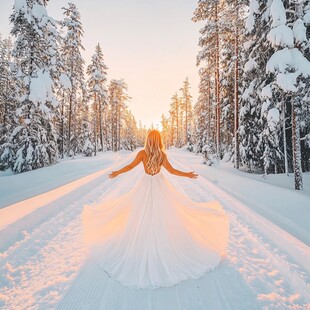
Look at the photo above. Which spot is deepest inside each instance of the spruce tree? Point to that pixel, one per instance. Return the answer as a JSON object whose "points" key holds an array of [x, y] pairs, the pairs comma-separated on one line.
{"points": [[97, 81], [74, 68], [8, 101], [34, 137]]}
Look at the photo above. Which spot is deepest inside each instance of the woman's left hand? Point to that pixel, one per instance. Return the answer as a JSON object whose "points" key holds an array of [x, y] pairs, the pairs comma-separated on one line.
{"points": [[192, 175], [113, 174]]}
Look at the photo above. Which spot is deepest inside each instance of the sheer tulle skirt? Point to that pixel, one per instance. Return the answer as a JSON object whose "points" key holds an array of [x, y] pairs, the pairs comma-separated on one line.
{"points": [[154, 235]]}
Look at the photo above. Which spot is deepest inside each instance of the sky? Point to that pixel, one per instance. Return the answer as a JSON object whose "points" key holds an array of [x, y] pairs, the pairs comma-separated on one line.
{"points": [[151, 44]]}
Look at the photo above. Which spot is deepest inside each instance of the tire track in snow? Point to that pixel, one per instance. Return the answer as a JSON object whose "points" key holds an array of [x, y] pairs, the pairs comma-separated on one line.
{"points": [[36, 270], [273, 276]]}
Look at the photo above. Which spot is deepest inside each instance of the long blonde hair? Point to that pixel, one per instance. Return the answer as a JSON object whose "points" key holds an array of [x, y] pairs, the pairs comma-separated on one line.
{"points": [[154, 149]]}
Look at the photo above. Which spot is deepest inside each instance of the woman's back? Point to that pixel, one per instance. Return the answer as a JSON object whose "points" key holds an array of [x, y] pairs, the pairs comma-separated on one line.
{"points": [[145, 160]]}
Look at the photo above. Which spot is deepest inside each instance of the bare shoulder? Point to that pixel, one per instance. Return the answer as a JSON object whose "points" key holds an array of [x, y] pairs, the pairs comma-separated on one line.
{"points": [[141, 153]]}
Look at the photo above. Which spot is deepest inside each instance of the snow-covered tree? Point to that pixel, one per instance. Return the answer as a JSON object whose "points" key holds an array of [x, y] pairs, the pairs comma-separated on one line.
{"points": [[7, 103], [288, 68], [254, 57], [34, 136], [73, 63], [209, 11], [141, 134], [174, 112], [187, 111], [97, 81], [202, 112], [117, 105], [129, 132]]}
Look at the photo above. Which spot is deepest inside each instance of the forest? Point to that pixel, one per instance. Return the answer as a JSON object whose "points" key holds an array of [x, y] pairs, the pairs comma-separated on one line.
{"points": [[253, 107]]}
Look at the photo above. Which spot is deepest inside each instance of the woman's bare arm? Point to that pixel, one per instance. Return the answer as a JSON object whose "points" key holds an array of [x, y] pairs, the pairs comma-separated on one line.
{"points": [[180, 173], [133, 164]]}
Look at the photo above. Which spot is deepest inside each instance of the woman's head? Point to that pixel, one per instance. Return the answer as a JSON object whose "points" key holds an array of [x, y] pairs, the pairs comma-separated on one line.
{"points": [[154, 140], [154, 149]]}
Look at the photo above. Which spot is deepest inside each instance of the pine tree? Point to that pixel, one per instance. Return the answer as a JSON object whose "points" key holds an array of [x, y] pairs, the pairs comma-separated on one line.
{"points": [[63, 90], [97, 72], [209, 11], [175, 121], [165, 131], [7, 103], [34, 137], [74, 69], [254, 57], [187, 108], [289, 69], [129, 132], [117, 103], [141, 134]]}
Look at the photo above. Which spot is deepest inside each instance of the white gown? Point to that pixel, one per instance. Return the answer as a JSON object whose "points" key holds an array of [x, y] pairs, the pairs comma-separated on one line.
{"points": [[154, 235]]}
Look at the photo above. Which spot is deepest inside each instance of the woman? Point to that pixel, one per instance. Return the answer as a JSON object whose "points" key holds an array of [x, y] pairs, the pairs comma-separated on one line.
{"points": [[153, 235]]}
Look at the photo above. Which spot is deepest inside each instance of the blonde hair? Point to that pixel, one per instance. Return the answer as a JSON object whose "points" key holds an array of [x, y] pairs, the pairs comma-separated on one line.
{"points": [[154, 149]]}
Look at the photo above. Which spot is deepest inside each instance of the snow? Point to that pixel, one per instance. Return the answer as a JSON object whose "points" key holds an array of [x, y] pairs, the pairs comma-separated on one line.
{"points": [[266, 92], [277, 12], [44, 264], [249, 23], [307, 17], [286, 60], [287, 81], [281, 36], [41, 87], [273, 118], [247, 44], [265, 107], [249, 91], [36, 182], [274, 197], [299, 31], [250, 65], [65, 81], [39, 11], [20, 6], [17, 130], [254, 6], [250, 20]]}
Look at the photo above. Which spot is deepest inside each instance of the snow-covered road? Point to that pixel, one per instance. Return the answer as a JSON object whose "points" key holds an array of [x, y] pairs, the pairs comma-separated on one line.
{"points": [[45, 267]]}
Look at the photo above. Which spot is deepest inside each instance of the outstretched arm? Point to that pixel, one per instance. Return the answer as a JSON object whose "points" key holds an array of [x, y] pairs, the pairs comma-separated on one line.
{"points": [[133, 164], [180, 173]]}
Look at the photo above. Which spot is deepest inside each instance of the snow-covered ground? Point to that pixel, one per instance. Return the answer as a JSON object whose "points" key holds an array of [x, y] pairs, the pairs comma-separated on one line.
{"points": [[32, 183], [273, 197], [43, 261]]}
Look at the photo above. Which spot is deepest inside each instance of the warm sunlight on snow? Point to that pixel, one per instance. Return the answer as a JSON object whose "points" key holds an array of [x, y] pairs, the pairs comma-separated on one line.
{"points": [[154, 154]]}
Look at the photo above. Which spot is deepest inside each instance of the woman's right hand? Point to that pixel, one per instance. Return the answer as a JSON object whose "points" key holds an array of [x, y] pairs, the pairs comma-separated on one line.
{"points": [[113, 174], [192, 175]]}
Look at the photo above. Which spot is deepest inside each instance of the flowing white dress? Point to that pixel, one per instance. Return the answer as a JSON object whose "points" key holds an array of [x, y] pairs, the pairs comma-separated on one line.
{"points": [[154, 235]]}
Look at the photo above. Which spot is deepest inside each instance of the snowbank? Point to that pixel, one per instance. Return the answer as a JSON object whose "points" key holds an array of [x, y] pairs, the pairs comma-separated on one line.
{"points": [[273, 198]]}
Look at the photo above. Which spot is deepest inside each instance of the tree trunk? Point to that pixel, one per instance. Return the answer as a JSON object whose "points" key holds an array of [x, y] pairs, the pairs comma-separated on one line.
{"points": [[177, 118], [70, 120], [186, 120], [284, 139], [119, 127], [62, 129], [209, 110], [237, 153], [95, 121], [296, 148], [100, 124], [217, 86]]}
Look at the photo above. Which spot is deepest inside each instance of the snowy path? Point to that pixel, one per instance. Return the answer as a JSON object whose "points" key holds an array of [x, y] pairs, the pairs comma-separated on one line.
{"points": [[265, 267]]}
